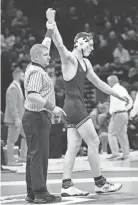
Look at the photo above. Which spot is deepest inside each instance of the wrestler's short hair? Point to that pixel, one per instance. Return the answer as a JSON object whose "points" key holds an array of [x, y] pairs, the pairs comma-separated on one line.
{"points": [[83, 35]]}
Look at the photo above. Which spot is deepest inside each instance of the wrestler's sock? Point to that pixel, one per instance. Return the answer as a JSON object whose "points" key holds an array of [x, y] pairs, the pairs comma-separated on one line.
{"points": [[100, 181], [66, 183]]}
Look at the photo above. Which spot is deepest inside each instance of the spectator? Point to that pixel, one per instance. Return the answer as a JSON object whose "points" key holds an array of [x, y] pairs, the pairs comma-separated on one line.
{"points": [[119, 120], [132, 43], [87, 28], [103, 122], [133, 128], [112, 41], [107, 28], [13, 116], [122, 54], [103, 56], [133, 72], [129, 23], [94, 114], [134, 111], [4, 170], [19, 21], [124, 35], [18, 45]]}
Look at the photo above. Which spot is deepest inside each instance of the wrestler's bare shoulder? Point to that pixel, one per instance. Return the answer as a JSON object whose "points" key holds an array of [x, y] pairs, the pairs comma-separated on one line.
{"points": [[69, 68]]}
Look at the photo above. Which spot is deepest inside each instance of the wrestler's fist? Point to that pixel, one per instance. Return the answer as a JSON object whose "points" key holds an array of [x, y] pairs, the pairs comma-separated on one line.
{"points": [[58, 111], [50, 15]]}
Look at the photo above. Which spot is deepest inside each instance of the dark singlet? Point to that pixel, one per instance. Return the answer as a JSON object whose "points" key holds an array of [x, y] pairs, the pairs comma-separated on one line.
{"points": [[74, 105]]}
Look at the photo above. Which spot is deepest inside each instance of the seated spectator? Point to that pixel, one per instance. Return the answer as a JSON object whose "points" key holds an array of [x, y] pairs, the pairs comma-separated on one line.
{"points": [[131, 44], [133, 122], [133, 72], [94, 114], [87, 28], [107, 28], [129, 23], [122, 54], [124, 35], [31, 40], [121, 70], [10, 38], [19, 21], [103, 55], [112, 41], [18, 45]]}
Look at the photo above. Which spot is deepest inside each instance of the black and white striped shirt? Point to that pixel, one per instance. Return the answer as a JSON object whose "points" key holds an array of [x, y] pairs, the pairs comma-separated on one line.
{"points": [[37, 79]]}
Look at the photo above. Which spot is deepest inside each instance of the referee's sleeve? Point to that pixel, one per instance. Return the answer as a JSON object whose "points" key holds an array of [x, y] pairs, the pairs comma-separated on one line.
{"points": [[35, 82]]}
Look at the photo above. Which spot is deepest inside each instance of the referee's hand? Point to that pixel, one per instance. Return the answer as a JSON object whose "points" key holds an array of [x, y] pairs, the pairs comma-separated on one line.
{"points": [[58, 111]]}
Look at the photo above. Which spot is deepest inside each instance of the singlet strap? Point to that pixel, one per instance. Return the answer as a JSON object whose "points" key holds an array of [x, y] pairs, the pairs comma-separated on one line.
{"points": [[81, 65], [85, 66]]}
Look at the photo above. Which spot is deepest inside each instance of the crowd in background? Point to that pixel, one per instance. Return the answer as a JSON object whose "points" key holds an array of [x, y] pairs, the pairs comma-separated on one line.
{"points": [[113, 24]]}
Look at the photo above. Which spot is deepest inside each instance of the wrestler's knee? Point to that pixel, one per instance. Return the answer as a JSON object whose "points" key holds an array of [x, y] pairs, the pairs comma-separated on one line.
{"points": [[74, 146], [94, 142], [97, 142]]}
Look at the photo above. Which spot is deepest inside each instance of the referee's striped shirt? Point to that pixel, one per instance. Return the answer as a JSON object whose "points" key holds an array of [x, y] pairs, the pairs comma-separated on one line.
{"points": [[37, 79]]}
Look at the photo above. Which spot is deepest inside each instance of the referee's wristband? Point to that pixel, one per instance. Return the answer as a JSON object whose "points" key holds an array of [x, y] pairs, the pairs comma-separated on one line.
{"points": [[48, 105]]}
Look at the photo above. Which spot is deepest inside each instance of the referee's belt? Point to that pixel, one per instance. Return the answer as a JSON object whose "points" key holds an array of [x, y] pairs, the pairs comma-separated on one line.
{"points": [[120, 111]]}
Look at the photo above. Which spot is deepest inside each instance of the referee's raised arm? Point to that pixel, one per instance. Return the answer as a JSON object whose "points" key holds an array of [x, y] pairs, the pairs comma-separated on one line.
{"points": [[39, 104]]}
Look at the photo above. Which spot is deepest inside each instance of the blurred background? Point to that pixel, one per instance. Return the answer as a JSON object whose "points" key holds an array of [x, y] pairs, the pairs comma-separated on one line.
{"points": [[114, 26]]}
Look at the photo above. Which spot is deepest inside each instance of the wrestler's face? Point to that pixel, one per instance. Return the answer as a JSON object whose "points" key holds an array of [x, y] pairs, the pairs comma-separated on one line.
{"points": [[88, 48]]}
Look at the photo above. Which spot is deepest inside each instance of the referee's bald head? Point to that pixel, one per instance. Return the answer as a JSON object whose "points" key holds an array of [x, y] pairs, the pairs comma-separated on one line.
{"points": [[112, 80], [36, 51]]}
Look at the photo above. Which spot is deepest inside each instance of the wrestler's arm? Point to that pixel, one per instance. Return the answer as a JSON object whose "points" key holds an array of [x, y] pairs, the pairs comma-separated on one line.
{"points": [[92, 77], [64, 53]]}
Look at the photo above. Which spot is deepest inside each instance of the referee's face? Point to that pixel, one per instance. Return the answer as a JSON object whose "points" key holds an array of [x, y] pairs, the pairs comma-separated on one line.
{"points": [[44, 57]]}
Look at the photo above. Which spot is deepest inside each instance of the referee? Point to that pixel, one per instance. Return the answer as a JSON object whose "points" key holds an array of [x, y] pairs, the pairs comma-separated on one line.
{"points": [[39, 105]]}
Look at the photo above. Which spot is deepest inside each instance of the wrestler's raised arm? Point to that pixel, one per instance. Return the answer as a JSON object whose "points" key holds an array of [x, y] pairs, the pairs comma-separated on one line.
{"points": [[64, 53]]}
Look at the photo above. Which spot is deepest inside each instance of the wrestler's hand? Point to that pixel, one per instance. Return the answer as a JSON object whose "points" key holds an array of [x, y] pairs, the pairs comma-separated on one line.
{"points": [[50, 15], [124, 98], [59, 111]]}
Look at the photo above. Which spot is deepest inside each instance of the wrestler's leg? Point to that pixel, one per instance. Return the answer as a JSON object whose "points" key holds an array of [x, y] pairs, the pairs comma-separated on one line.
{"points": [[73, 145], [89, 135]]}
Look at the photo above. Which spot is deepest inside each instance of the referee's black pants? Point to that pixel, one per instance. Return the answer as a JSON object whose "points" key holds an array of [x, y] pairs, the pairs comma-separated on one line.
{"points": [[37, 127]]}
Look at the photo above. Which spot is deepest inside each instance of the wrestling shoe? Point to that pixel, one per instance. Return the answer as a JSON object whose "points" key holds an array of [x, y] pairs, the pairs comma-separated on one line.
{"points": [[71, 190], [113, 157], [108, 187]]}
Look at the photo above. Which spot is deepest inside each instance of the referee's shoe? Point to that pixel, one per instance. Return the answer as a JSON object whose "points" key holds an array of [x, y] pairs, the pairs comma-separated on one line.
{"points": [[43, 198]]}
